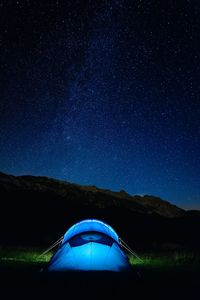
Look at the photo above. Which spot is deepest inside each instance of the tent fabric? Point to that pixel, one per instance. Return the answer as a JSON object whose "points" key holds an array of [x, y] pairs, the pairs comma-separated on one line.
{"points": [[91, 225], [90, 245]]}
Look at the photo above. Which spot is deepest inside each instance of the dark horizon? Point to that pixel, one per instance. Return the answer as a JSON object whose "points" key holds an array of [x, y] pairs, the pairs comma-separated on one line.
{"points": [[103, 93], [103, 188]]}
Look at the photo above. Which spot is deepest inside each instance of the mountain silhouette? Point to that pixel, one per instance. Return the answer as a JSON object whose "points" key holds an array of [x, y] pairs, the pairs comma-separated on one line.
{"points": [[36, 210]]}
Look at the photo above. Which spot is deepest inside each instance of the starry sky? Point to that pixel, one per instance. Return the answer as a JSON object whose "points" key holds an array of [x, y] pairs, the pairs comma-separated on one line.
{"points": [[103, 93]]}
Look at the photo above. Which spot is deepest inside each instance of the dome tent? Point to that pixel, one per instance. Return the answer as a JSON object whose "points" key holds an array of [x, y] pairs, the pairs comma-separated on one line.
{"points": [[90, 245]]}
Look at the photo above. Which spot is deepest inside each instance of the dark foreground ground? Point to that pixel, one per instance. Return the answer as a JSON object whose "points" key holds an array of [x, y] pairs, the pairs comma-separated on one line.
{"points": [[158, 285], [156, 279]]}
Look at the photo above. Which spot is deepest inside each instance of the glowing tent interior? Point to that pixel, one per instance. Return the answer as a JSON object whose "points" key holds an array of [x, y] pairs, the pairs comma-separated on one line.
{"points": [[90, 245]]}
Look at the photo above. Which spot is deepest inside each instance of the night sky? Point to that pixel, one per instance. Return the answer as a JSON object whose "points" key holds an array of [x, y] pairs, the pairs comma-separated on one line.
{"points": [[103, 93]]}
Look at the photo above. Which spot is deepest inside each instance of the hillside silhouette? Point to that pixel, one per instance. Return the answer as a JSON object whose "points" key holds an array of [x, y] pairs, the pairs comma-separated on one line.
{"points": [[37, 210]]}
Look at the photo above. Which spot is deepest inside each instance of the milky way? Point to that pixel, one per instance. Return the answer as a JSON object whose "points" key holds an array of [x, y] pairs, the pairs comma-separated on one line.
{"points": [[103, 93]]}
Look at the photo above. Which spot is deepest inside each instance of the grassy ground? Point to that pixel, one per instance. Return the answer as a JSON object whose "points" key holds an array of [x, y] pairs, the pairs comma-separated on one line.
{"points": [[166, 260], [24, 257], [170, 273]]}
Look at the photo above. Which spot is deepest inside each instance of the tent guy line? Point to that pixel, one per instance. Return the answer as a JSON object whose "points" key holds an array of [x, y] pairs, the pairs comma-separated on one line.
{"points": [[87, 246]]}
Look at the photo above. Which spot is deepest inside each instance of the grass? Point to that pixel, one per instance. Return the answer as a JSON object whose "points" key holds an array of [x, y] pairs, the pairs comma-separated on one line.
{"points": [[174, 273], [168, 260], [23, 257]]}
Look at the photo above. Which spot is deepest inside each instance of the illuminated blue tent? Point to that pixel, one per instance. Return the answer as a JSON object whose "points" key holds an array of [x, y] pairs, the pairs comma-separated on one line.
{"points": [[90, 245]]}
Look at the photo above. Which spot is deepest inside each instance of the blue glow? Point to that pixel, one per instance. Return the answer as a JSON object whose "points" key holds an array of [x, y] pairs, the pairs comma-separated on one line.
{"points": [[90, 225], [100, 254], [90, 256]]}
